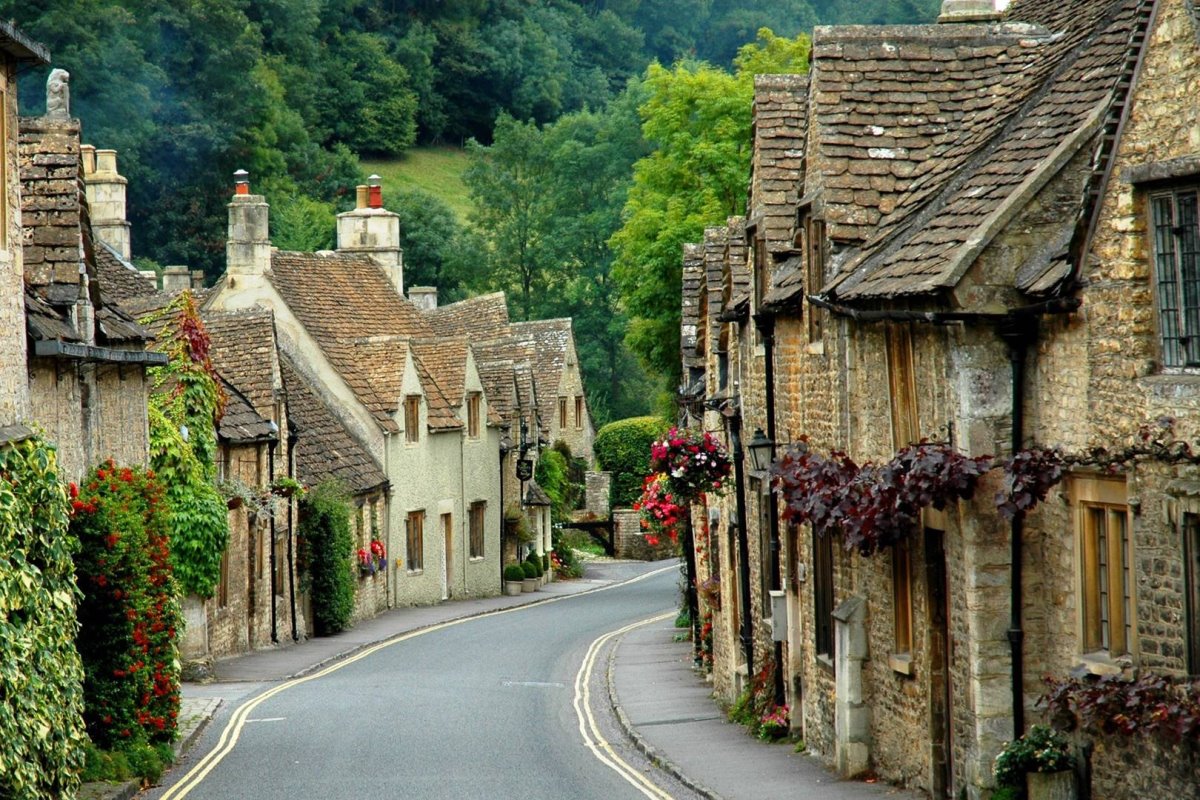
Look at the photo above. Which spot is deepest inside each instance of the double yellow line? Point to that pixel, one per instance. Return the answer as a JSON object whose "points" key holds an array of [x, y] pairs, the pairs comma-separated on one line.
{"points": [[590, 730], [233, 729]]}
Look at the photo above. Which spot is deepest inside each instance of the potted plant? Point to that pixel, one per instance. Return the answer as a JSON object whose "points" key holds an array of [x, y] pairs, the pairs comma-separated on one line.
{"points": [[530, 584], [536, 561], [1041, 763], [514, 576]]}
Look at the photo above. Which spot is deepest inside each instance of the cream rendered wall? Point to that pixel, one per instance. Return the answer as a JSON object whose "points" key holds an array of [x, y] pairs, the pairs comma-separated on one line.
{"points": [[480, 470]]}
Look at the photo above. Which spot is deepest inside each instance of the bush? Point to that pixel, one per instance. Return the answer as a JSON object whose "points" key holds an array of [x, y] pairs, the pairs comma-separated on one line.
{"points": [[326, 547], [129, 615], [546, 562], [514, 572], [623, 448], [536, 561], [135, 759], [1042, 749], [529, 570], [41, 717]]}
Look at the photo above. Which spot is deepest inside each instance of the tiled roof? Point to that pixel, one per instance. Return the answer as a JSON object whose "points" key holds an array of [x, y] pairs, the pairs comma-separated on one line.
{"points": [[325, 449], [240, 422], [119, 280], [550, 340], [713, 272], [483, 317], [780, 131], [442, 366], [693, 284], [941, 224], [243, 351], [350, 307], [736, 255]]}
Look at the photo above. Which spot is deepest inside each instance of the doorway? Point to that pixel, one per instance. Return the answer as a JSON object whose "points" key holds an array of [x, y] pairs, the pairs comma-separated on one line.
{"points": [[941, 716]]}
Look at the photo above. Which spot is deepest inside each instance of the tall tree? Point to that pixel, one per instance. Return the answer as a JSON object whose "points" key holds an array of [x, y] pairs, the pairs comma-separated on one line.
{"points": [[697, 119]]}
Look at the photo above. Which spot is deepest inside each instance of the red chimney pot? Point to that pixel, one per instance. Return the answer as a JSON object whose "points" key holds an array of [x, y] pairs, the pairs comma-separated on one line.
{"points": [[374, 192], [241, 182]]}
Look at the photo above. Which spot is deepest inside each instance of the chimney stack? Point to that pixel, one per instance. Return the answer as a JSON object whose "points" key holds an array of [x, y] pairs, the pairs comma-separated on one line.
{"points": [[248, 249], [372, 230], [105, 189], [971, 11], [423, 297], [176, 279]]}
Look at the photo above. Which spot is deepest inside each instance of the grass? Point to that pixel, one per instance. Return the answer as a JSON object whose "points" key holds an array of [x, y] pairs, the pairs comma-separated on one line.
{"points": [[437, 170]]}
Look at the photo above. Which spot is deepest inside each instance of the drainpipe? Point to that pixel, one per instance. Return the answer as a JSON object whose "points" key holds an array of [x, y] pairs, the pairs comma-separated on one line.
{"points": [[766, 327], [274, 587], [739, 477], [291, 557], [1019, 333]]}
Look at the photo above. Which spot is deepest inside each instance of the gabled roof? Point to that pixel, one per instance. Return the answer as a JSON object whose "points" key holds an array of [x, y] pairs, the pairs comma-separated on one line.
{"points": [[119, 280], [243, 351], [325, 449], [482, 317], [442, 366], [689, 318], [780, 132], [941, 226], [736, 254], [348, 305], [550, 341], [241, 423]]}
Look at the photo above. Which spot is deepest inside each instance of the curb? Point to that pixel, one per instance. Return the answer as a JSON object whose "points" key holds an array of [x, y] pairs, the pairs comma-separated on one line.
{"points": [[185, 744], [656, 757]]}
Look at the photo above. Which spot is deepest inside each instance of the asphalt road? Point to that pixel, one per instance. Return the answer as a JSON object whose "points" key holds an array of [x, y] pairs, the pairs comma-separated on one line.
{"points": [[480, 709]]}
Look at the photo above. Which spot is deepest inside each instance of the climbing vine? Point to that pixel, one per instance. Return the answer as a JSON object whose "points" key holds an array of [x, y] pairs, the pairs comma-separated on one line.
{"points": [[326, 547], [184, 407], [41, 724]]}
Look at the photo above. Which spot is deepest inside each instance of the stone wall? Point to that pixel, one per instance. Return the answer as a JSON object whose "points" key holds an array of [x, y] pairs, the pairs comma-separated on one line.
{"points": [[629, 538], [14, 380], [598, 487]]}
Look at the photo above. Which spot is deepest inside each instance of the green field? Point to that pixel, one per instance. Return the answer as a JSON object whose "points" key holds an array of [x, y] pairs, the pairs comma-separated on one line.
{"points": [[437, 170]]}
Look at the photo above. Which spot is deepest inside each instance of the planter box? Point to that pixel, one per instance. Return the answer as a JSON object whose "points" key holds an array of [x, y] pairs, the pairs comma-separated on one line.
{"points": [[530, 584], [513, 587], [1050, 785]]}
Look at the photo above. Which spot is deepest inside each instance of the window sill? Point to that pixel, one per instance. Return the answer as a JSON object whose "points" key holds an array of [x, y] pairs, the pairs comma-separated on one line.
{"points": [[823, 660], [476, 559], [815, 348], [901, 663], [1100, 663], [413, 573]]}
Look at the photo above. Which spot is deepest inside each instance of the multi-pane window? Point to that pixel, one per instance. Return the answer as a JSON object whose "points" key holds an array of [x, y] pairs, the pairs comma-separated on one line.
{"points": [[579, 412], [414, 535], [474, 407], [823, 594], [1177, 273], [562, 413], [1106, 586], [478, 509], [412, 417], [1191, 581]]}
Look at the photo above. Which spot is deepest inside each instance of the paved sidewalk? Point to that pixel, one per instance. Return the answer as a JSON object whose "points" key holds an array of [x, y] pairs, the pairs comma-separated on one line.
{"points": [[669, 711]]}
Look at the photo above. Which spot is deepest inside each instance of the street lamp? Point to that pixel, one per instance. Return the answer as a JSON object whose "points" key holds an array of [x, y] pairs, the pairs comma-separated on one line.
{"points": [[761, 450]]}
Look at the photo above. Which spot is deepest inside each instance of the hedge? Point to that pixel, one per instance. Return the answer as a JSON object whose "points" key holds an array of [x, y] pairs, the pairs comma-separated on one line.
{"points": [[326, 548], [623, 448]]}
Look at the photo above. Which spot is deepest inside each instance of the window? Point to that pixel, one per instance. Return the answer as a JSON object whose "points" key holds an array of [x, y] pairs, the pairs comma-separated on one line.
{"points": [[1105, 584], [1177, 272], [823, 594], [478, 510], [579, 412], [902, 385], [814, 257], [902, 595], [1191, 582], [474, 404], [760, 490], [562, 413], [412, 417], [414, 536], [762, 275]]}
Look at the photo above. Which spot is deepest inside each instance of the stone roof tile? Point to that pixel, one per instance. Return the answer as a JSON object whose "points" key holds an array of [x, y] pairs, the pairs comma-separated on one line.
{"points": [[243, 351], [482, 317]]}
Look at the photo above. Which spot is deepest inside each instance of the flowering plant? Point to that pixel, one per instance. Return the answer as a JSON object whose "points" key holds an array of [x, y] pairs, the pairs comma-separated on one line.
{"points": [[1041, 749], [774, 723], [372, 558], [694, 461], [660, 509]]}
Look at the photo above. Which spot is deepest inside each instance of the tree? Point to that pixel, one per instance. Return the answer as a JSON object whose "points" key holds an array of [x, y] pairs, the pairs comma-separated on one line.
{"points": [[697, 118], [438, 251]]}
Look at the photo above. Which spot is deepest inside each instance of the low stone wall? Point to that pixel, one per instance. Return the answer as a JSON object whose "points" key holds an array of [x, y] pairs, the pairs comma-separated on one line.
{"points": [[630, 540], [1134, 768]]}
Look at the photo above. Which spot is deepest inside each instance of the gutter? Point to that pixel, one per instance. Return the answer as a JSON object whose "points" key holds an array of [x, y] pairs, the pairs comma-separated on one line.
{"points": [[56, 348]]}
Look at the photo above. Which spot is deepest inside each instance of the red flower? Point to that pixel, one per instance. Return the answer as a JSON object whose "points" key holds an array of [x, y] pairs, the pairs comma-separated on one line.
{"points": [[73, 490]]}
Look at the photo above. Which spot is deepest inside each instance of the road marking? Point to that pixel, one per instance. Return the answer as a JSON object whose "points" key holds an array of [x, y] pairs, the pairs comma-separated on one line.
{"points": [[535, 684], [267, 719], [589, 729], [233, 729]]}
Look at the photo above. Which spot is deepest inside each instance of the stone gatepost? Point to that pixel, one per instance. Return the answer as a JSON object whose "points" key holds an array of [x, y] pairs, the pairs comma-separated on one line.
{"points": [[852, 717], [598, 485]]}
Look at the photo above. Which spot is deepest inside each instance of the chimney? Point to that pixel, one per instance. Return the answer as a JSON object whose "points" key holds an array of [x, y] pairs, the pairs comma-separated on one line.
{"points": [[372, 230], [176, 279], [423, 297], [248, 250], [971, 10], [105, 190]]}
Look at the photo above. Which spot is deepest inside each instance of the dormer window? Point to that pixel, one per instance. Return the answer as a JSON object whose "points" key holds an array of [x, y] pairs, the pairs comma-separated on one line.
{"points": [[412, 418], [1176, 239], [474, 407]]}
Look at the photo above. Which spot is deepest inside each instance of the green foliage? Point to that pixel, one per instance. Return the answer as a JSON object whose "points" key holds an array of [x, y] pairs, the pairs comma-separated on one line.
{"points": [[528, 569], [41, 723], [327, 546], [623, 448], [186, 397], [300, 223], [438, 250], [697, 118], [136, 759], [553, 475], [1041, 749], [514, 572], [432, 170], [129, 615]]}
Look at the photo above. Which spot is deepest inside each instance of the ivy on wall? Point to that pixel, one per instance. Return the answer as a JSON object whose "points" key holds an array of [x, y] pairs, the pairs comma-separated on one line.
{"points": [[184, 407], [129, 614], [325, 557], [41, 724]]}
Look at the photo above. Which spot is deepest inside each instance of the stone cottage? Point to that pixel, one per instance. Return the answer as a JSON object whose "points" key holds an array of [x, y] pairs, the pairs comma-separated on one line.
{"points": [[981, 234], [346, 326]]}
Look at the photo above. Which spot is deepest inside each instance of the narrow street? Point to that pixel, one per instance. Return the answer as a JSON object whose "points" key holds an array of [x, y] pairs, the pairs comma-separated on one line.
{"points": [[487, 707]]}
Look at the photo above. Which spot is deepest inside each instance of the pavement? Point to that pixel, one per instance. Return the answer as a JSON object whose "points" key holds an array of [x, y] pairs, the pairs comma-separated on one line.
{"points": [[663, 705]]}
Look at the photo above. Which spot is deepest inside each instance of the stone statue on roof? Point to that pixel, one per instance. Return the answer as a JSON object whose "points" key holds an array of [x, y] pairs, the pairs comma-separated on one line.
{"points": [[58, 94]]}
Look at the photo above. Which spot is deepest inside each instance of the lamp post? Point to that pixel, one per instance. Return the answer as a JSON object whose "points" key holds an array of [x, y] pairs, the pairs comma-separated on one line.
{"points": [[506, 447]]}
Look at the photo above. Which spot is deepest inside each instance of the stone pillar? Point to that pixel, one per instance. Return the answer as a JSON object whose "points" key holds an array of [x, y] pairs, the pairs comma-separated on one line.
{"points": [[176, 279], [374, 231], [423, 297], [852, 717], [106, 198], [599, 485]]}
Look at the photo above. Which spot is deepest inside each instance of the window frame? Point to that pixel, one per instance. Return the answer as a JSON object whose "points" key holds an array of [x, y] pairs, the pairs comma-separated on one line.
{"points": [[1099, 610], [562, 413], [814, 272], [412, 418], [476, 546], [474, 409], [579, 407], [414, 541], [1178, 341], [823, 596]]}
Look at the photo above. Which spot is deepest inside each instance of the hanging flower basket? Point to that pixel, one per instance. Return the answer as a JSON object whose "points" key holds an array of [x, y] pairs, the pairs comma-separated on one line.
{"points": [[660, 509], [694, 463]]}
